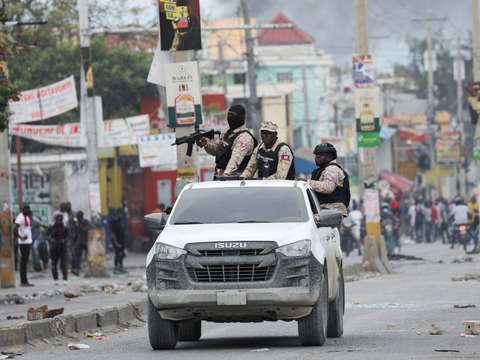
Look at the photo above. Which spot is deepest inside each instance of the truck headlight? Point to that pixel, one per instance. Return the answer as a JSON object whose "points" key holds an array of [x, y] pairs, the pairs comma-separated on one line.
{"points": [[167, 252], [296, 249]]}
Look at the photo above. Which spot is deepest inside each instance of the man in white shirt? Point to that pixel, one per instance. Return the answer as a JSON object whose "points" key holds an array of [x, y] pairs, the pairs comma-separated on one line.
{"points": [[357, 217], [23, 234], [459, 215]]}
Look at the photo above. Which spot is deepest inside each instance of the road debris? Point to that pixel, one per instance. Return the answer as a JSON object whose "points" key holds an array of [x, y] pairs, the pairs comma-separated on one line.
{"points": [[10, 355], [73, 346], [464, 335], [71, 294], [403, 257], [376, 306], [447, 350], [436, 330], [261, 350], [471, 327], [94, 335], [350, 278], [356, 301], [391, 325], [457, 306], [462, 259], [15, 317], [42, 313], [419, 332], [466, 277]]}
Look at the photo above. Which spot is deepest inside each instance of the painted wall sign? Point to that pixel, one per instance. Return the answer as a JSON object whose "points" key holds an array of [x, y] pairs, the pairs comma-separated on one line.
{"points": [[35, 188]]}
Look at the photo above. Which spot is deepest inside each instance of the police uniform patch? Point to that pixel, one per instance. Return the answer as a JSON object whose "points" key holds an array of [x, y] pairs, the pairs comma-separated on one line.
{"points": [[243, 145], [335, 179], [285, 158]]}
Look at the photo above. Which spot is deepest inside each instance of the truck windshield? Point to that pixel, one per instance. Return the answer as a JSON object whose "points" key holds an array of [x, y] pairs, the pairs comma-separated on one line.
{"points": [[240, 205]]}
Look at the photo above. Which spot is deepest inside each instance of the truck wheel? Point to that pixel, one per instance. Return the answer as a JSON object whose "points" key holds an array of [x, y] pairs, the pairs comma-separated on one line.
{"points": [[190, 331], [163, 334], [312, 329], [336, 309]]}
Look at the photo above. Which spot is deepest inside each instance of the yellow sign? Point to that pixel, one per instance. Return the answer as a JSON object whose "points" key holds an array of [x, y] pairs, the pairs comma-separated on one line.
{"points": [[445, 170], [169, 1], [432, 179], [170, 8], [4, 67], [186, 174], [172, 16], [128, 149]]}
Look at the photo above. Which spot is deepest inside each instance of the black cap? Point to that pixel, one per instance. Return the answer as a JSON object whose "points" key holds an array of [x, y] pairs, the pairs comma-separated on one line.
{"points": [[238, 109], [59, 218]]}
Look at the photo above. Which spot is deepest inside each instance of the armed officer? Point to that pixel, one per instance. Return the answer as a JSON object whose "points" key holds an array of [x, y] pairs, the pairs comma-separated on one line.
{"points": [[328, 180], [235, 146], [272, 158]]}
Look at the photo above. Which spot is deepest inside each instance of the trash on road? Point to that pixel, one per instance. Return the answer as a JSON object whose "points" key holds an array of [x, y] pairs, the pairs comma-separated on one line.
{"points": [[356, 301], [42, 313], [419, 332], [71, 294], [471, 327], [457, 306], [462, 259], [94, 335], [391, 325], [15, 317], [466, 277], [351, 278], [464, 335], [9, 355], [436, 330], [446, 350], [261, 350], [73, 346]]}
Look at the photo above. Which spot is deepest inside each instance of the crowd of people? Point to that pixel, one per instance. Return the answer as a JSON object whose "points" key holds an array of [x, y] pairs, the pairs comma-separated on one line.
{"points": [[63, 242]]}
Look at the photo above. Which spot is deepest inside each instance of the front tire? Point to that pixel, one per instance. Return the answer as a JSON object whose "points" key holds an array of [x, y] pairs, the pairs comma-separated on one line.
{"points": [[336, 310], [190, 331], [163, 334], [312, 329]]}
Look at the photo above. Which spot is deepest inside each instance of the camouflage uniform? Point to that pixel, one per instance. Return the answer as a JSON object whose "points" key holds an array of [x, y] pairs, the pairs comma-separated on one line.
{"points": [[282, 167], [242, 146], [331, 178]]}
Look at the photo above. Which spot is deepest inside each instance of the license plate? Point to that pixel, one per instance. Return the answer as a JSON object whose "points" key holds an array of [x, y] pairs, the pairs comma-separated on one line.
{"points": [[231, 297]]}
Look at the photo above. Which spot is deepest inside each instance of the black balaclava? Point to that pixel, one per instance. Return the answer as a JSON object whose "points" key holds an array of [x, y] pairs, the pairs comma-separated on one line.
{"points": [[235, 122]]}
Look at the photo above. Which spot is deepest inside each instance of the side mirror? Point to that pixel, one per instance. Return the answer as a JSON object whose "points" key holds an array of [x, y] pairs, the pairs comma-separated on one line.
{"points": [[153, 222], [330, 218], [168, 210]]}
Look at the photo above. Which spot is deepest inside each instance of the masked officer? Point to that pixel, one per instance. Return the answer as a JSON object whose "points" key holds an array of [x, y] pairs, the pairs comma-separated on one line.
{"points": [[272, 158], [330, 182], [235, 146]]}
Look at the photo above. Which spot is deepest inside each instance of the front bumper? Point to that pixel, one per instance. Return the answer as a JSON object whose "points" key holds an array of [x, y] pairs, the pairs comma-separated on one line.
{"points": [[289, 293]]}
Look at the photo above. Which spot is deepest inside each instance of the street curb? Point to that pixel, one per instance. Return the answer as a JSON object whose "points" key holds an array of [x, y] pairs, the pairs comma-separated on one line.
{"points": [[69, 324], [353, 269]]}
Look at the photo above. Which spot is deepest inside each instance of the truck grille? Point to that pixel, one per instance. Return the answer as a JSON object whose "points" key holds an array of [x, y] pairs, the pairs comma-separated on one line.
{"points": [[231, 273], [254, 262]]}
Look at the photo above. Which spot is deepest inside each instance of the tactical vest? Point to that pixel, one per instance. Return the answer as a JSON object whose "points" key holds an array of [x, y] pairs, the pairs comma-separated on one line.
{"points": [[267, 162], [340, 194], [224, 153]]}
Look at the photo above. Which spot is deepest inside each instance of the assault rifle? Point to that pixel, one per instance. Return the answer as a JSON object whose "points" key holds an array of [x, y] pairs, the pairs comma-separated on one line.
{"points": [[192, 138]]}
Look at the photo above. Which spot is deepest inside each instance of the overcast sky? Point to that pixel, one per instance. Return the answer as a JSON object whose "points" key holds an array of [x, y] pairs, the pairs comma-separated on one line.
{"points": [[330, 23]]}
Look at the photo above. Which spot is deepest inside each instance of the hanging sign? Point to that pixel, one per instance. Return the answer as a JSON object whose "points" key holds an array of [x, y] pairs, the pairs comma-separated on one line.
{"points": [[363, 71], [69, 135], [124, 131], [45, 102], [473, 96], [183, 94], [448, 147], [179, 22], [369, 139], [157, 150], [367, 109]]}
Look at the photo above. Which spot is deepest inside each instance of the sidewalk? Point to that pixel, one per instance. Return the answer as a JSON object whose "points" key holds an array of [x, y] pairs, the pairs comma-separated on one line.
{"points": [[46, 293]]}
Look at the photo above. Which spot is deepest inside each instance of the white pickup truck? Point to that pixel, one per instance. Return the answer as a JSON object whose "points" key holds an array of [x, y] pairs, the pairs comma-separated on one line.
{"points": [[245, 251]]}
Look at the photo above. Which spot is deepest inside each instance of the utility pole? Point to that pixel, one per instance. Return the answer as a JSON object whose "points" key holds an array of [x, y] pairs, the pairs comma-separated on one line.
{"points": [[253, 102], [96, 265], [223, 71], [476, 70], [7, 260], [459, 70], [307, 109], [378, 261], [431, 84]]}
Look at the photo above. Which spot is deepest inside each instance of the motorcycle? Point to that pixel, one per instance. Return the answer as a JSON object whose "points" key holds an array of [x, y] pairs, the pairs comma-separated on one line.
{"points": [[461, 234], [390, 234]]}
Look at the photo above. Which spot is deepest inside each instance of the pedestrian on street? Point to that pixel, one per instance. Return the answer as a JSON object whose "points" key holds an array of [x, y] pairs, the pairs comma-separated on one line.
{"points": [[37, 225], [474, 222], [81, 242], [427, 211], [411, 220], [118, 238], [443, 219], [356, 216], [329, 179], [72, 235], [58, 234], [434, 216], [273, 159], [235, 146], [22, 232], [419, 221]]}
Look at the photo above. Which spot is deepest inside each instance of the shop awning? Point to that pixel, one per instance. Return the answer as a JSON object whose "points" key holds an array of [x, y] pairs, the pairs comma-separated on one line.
{"points": [[399, 185]]}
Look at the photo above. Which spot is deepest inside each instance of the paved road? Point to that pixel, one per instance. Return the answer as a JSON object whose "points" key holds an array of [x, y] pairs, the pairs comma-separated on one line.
{"points": [[419, 294]]}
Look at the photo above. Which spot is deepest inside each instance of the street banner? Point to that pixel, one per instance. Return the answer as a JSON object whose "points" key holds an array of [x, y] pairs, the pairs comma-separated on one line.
{"points": [[367, 109], [363, 71], [184, 100], [448, 147], [124, 131], [179, 22], [35, 188], [338, 142], [45, 102], [473, 96], [41, 211], [372, 202], [69, 135], [157, 150], [369, 139]]}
